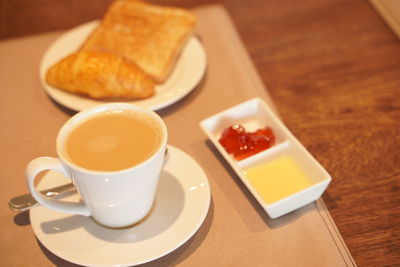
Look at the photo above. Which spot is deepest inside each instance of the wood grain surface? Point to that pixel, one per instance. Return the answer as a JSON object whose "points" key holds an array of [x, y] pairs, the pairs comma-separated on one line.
{"points": [[332, 68]]}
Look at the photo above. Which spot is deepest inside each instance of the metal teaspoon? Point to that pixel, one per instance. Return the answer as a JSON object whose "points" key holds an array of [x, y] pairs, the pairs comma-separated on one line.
{"points": [[25, 202]]}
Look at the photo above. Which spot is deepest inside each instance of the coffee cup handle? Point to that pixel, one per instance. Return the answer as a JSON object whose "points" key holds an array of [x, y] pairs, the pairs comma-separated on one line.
{"points": [[47, 163]]}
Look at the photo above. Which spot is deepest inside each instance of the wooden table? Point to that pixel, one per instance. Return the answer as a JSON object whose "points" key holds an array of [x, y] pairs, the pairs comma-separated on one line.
{"points": [[333, 70]]}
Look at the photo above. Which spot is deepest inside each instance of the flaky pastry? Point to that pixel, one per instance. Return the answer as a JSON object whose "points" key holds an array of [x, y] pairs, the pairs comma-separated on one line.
{"points": [[151, 36], [100, 75]]}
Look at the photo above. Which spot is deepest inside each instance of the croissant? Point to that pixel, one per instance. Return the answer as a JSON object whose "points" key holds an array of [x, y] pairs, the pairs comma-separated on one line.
{"points": [[100, 75]]}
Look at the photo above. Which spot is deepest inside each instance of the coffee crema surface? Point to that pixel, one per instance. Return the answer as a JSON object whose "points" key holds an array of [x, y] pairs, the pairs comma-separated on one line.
{"points": [[113, 140]]}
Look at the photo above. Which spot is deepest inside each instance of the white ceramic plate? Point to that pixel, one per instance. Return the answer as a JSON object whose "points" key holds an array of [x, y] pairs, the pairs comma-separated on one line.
{"points": [[181, 205], [187, 73]]}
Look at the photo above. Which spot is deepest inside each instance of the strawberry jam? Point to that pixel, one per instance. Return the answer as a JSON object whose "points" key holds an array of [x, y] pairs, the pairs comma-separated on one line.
{"points": [[242, 144]]}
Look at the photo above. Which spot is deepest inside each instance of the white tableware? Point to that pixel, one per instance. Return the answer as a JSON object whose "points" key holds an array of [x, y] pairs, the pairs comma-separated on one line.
{"points": [[113, 198], [187, 73], [255, 114], [181, 205]]}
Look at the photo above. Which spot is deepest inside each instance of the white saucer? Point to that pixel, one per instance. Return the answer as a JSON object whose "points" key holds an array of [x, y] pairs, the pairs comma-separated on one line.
{"points": [[187, 73], [181, 205]]}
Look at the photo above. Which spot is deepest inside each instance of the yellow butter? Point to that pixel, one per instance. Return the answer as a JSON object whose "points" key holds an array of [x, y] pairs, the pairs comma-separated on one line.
{"points": [[277, 179]]}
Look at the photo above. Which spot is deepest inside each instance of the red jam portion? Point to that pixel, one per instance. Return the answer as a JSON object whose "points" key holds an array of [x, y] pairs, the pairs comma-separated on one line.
{"points": [[242, 144]]}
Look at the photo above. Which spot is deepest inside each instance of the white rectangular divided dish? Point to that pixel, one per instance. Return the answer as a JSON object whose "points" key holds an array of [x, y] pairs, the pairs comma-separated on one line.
{"points": [[272, 175]]}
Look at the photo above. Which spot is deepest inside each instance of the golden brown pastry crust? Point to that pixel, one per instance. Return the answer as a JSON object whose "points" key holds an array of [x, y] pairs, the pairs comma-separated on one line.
{"points": [[151, 36], [100, 75]]}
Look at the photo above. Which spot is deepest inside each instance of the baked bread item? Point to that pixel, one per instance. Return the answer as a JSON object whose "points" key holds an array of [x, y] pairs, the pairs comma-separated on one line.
{"points": [[151, 36], [100, 75]]}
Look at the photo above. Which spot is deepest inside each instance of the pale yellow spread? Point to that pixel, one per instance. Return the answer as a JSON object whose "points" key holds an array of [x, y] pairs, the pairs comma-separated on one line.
{"points": [[277, 179]]}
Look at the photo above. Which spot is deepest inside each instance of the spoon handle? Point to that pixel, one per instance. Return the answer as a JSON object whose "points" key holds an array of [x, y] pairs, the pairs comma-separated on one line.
{"points": [[24, 202]]}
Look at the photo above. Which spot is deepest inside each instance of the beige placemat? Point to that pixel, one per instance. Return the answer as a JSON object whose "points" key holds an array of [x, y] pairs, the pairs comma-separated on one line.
{"points": [[390, 12], [236, 231]]}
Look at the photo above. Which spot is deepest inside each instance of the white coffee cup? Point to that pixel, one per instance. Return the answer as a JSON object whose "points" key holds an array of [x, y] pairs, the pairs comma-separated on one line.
{"points": [[112, 198]]}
